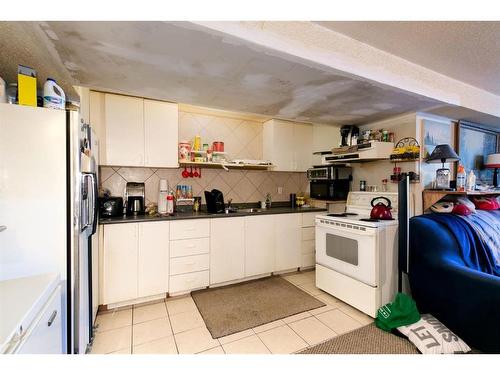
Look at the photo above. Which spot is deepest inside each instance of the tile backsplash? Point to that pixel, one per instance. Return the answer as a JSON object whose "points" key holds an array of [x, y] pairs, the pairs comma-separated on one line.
{"points": [[240, 186]]}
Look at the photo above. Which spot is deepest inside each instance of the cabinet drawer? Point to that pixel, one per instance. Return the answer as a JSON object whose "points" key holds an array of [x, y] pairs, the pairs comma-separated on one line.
{"points": [[308, 234], [188, 281], [308, 219], [308, 246], [189, 264], [45, 335], [192, 246], [183, 229]]}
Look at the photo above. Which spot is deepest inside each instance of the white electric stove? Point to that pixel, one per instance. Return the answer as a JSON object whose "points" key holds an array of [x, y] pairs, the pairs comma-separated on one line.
{"points": [[356, 257]]}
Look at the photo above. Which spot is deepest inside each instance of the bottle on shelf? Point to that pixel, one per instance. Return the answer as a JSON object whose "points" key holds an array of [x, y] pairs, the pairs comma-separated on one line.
{"points": [[461, 178], [471, 181]]}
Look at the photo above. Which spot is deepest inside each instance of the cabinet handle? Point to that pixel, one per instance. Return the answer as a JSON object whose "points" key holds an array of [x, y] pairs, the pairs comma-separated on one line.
{"points": [[52, 318]]}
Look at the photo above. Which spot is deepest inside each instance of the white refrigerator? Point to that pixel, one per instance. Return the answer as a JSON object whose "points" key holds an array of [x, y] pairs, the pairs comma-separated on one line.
{"points": [[48, 208]]}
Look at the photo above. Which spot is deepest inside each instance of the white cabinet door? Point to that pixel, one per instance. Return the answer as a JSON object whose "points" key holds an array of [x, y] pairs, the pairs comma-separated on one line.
{"points": [[160, 134], [120, 262], [227, 249], [259, 244], [124, 119], [153, 258], [278, 144], [288, 242], [303, 142], [288, 145]]}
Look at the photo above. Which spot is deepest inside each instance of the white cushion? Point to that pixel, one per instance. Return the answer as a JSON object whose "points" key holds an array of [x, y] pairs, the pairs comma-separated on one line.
{"points": [[430, 336]]}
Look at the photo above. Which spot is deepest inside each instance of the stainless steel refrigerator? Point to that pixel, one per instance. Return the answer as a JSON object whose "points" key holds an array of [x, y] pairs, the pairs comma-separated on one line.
{"points": [[48, 206]]}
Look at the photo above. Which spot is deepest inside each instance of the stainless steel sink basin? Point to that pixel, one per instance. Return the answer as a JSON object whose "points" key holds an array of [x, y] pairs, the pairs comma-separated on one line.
{"points": [[250, 210]]}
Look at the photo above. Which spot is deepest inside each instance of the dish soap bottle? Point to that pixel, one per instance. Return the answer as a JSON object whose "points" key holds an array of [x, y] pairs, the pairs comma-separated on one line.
{"points": [[461, 178], [471, 181]]}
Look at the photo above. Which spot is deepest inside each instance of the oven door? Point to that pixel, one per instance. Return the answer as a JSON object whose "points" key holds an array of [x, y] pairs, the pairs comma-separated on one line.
{"points": [[349, 249], [322, 189]]}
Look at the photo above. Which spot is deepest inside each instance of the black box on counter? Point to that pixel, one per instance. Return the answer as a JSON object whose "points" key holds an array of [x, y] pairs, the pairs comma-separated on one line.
{"points": [[184, 205]]}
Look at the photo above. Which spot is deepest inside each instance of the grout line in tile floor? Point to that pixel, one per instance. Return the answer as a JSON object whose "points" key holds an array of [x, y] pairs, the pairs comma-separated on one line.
{"points": [[171, 328], [263, 343]]}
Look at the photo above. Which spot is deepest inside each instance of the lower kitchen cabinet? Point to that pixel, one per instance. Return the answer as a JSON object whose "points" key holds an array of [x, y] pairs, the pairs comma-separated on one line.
{"points": [[135, 261], [259, 244], [287, 241], [153, 258], [227, 249], [120, 262]]}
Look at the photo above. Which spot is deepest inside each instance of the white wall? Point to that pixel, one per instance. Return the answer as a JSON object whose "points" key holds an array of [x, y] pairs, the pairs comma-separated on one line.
{"points": [[373, 172]]}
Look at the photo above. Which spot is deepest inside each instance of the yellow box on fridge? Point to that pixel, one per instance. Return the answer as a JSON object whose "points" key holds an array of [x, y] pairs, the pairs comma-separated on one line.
{"points": [[26, 85]]}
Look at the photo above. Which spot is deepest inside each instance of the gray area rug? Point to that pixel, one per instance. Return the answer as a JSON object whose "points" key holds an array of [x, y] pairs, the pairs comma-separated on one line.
{"points": [[235, 308], [365, 340]]}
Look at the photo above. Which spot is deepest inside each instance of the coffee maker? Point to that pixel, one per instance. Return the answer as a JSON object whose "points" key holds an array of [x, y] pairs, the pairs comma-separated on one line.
{"points": [[215, 201], [347, 132], [134, 198]]}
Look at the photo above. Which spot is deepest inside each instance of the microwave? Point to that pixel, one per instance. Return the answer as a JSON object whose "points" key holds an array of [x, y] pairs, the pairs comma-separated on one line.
{"points": [[329, 182], [330, 190]]}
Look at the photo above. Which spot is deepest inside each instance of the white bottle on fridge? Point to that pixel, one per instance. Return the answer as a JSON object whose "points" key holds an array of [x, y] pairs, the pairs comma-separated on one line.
{"points": [[162, 197]]}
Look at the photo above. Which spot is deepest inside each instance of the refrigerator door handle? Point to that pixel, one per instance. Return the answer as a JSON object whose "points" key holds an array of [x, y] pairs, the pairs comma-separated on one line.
{"points": [[86, 199], [94, 202]]}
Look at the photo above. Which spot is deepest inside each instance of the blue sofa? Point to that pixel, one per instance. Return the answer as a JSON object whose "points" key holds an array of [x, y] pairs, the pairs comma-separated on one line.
{"points": [[466, 300]]}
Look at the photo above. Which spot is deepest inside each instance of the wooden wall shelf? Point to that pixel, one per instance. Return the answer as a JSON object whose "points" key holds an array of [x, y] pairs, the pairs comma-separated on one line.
{"points": [[227, 165], [432, 196]]}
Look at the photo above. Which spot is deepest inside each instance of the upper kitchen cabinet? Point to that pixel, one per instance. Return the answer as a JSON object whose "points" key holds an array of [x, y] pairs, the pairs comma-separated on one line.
{"points": [[133, 131], [160, 133], [124, 123], [288, 145]]}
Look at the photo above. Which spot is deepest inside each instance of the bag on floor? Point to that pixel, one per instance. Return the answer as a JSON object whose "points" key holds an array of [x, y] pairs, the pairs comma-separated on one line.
{"points": [[430, 336], [401, 312]]}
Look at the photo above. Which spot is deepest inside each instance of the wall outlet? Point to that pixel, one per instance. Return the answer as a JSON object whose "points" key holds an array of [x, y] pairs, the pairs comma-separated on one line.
{"points": [[280, 189]]}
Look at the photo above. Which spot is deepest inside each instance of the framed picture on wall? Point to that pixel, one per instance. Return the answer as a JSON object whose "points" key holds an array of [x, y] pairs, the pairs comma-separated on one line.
{"points": [[434, 132], [475, 143]]}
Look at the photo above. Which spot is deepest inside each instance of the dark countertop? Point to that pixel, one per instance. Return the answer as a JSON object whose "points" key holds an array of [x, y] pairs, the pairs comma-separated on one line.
{"points": [[205, 215]]}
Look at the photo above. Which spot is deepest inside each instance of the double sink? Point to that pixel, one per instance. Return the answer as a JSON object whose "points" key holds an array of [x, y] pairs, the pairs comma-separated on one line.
{"points": [[242, 210]]}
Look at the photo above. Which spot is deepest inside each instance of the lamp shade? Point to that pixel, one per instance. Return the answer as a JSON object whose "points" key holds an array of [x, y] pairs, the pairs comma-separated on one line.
{"points": [[443, 154], [492, 161]]}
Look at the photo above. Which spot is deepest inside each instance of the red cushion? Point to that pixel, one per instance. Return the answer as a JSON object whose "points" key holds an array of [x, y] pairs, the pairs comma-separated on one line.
{"points": [[485, 203], [461, 209]]}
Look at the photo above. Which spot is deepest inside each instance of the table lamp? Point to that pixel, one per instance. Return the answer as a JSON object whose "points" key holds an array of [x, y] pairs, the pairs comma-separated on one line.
{"points": [[443, 154], [493, 161]]}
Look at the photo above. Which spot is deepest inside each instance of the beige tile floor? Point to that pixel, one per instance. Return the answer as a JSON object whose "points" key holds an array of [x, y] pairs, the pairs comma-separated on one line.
{"points": [[176, 326]]}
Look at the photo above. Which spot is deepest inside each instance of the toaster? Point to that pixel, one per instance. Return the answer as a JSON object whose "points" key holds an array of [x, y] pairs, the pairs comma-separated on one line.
{"points": [[110, 206]]}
